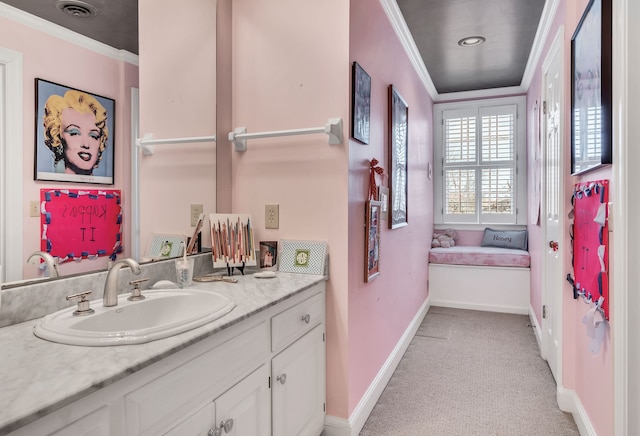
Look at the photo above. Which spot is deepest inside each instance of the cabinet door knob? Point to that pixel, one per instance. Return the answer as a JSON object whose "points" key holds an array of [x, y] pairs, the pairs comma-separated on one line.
{"points": [[215, 432], [282, 378], [226, 425], [306, 318]]}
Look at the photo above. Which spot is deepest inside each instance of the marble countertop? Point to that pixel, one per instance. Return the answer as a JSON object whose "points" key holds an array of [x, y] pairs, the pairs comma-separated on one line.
{"points": [[39, 377]]}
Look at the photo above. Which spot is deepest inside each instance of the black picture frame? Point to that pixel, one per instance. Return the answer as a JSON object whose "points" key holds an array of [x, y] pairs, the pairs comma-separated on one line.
{"points": [[398, 154], [52, 159], [360, 104], [591, 72]]}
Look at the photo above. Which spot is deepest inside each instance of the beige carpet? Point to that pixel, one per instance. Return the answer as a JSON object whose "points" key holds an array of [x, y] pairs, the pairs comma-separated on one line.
{"points": [[471, 373]]}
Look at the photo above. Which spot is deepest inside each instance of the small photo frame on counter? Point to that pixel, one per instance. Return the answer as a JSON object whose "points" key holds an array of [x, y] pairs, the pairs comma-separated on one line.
{"points": [[268, 254], [162, 246], [305, 257]]}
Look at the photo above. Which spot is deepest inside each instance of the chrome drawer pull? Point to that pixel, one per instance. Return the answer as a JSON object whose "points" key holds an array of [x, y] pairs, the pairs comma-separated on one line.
{"points": [[306, 318]]}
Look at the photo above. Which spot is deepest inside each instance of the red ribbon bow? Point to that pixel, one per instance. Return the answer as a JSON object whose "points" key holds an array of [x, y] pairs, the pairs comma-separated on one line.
{"points": [[373, 192]]}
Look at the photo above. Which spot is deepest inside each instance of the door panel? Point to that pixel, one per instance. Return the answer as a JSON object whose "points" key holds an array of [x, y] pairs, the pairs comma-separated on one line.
{"points": [[247, 406], [552, 191]]}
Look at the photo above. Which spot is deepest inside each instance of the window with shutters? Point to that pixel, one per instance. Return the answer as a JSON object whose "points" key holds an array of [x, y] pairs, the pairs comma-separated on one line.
{"points": [[480, 162]]}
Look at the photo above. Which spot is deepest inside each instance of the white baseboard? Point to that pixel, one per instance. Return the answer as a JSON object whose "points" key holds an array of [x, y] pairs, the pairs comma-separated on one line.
{"points": [[483, 307], [536, 329], [335, 426], [569, 401]]}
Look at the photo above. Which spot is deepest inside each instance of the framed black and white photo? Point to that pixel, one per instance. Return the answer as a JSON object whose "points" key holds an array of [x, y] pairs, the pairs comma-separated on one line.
{"points": [[74, 133], [361, 104], [398, 149], [591, 72]]}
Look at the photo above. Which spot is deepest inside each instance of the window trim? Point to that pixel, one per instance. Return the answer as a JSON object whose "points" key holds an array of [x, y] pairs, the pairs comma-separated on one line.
{"points": [[521, 160]]}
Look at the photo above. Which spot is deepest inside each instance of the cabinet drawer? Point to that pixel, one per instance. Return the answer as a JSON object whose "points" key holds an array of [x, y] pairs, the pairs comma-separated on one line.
{"points": [[294, 322], [157, 406]]}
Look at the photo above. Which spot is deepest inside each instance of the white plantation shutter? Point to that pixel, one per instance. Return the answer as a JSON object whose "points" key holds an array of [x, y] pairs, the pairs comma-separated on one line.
{"points": [[460, 131], [478, 148]]}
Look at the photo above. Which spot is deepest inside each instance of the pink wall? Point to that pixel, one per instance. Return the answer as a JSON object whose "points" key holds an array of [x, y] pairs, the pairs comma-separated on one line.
{"points": [[177, 99], [380, 311], [291, 70], [283, 82], [59, 61], [589, 375]]}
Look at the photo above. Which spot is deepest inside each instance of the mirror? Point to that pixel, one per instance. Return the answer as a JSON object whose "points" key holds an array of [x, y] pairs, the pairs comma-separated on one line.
{"points": [[192, 179]]}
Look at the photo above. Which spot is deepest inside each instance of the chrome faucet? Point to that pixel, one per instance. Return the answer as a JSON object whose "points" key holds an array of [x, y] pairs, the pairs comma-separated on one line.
{"points": [[52, 264], [110, 296]]}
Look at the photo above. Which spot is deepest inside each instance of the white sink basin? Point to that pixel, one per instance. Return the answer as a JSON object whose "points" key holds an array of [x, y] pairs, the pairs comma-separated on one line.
{"points": [[163, 313]]}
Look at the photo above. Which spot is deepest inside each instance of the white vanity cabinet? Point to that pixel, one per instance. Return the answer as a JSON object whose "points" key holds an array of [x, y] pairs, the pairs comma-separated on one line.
{"points": [[201, 393], [95, 423], [298, 369], [241, 411], [262, 375]]}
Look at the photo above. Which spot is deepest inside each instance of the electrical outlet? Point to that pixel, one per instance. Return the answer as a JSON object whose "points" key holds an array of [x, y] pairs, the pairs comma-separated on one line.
{"points": [[196, 210], [271, 216], [34, 209]]}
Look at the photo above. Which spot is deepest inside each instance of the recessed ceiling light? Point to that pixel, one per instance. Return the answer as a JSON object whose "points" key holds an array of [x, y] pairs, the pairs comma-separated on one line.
{"points": [[76, 8], [471, 41]]}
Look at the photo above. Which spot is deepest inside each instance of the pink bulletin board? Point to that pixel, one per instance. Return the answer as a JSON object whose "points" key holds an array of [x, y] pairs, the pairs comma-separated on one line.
{"points": [[591, 242], [80, 224]]}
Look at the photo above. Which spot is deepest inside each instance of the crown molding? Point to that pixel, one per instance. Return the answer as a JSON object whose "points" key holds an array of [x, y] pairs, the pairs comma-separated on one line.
{"points": [[542, 34], [65, 34], [402, 31], [481, 93]]}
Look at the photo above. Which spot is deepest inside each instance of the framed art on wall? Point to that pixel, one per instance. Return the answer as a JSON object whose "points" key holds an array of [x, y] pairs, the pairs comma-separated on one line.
{"points": [[591, 72], [383, 197], [232, 240], [360, 104], [372, 240], [81, 224], [398, 149], [74, 133]]}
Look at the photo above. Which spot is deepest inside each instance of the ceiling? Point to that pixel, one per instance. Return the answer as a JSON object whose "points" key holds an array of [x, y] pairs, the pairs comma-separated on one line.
{"points": [[436, 26], [116, 22]]}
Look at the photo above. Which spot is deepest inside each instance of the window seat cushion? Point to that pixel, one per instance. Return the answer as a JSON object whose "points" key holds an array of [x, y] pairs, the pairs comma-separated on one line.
{"points": [[480, 256]]}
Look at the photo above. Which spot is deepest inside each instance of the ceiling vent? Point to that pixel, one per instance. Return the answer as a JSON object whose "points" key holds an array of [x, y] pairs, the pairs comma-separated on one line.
{"points": [[77, 8]]}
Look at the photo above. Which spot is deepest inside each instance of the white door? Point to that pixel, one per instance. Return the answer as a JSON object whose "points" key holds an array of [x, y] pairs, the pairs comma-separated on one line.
{"points": [[552, 210]]}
